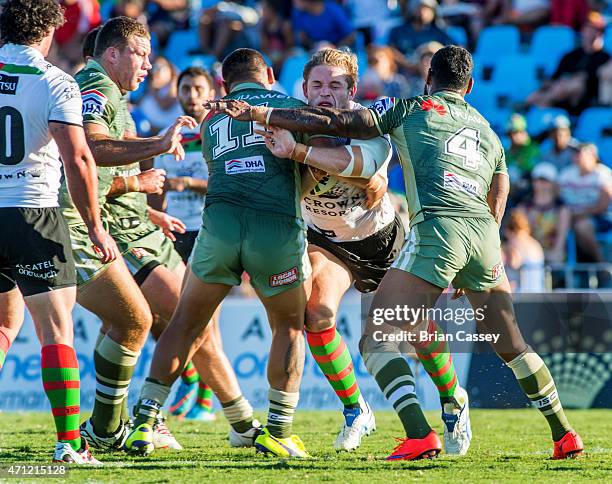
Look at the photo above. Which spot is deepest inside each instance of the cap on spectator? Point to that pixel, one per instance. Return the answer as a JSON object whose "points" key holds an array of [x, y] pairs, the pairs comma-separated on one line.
{"points": [[428, 48], [596, 20], [545, 171], [560, 122], [428, 3], [516, 123]]}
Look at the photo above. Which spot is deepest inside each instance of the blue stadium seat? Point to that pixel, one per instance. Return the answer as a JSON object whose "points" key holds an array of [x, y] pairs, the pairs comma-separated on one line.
{"points": [[487, 100], [457, 34], [292, 71], [497, 42], [540, 119], [608, 38], [548, 45], [591, 123], [205, 61], [605, 150], [515, 76], [180, 43]]}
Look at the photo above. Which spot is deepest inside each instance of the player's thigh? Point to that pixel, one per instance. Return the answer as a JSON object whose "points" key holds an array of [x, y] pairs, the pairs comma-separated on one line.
{"points": [[11, 308], [52, 315], [274, 253], [162, 289], [329, 281], [435, 251], [87, 263], [115, 297], [215, 258]]}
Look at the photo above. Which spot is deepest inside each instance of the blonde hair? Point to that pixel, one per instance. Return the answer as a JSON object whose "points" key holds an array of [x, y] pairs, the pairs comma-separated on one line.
{"points": [[335, 58]]}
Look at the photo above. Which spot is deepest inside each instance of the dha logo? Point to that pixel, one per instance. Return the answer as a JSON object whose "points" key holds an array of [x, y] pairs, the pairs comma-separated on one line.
{"points": [[93, 102], [252, 164]]}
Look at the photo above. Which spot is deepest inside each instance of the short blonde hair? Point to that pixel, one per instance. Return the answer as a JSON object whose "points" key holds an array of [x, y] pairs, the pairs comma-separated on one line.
{"points": [[334, 58]]}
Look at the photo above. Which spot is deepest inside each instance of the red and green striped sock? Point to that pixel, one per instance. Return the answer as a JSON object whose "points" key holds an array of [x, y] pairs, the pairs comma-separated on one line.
{"points": [[205, 395], [334, 360], [5, 344], [61, 381], [435, 357], [190, 375]]}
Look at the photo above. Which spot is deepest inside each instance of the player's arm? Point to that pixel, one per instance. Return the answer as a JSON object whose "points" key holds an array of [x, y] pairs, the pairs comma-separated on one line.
{"points": [[182, 183], [498, 195], [149, 182], [166, 222], [82, 179], [113, 152]]}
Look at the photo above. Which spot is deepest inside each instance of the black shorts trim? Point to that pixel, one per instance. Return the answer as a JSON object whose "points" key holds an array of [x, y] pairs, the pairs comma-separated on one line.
{"points": [[144, 272], [369, 259]]}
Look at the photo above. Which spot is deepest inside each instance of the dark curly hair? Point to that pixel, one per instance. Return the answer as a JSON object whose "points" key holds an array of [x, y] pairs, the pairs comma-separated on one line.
{"points": [[451, 67], [27, 22]]}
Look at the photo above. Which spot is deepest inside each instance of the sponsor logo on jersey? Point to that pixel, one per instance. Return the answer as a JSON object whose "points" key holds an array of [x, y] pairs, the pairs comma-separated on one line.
{"points": [[452, 181], [93, 102], [8, 84], [383, 105], [430, 104], [284, 278], [497, 271], [252, 164]]}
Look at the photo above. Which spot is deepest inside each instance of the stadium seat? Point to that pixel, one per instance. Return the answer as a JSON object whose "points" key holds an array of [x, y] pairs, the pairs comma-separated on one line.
{"points": [[487, 100], [457, 34], [608, 39], [548, 45], [292, 71], [497, 42], [605, 150], [540, 119], [592, 122], [181, 42], [515, 77], [205, 61]]}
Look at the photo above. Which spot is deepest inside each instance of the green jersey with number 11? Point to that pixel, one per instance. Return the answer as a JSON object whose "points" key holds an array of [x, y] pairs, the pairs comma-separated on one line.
{"points": [[448, 151]]}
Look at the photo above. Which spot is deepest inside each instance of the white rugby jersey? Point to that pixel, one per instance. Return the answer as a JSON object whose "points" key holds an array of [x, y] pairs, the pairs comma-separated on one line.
{"points": [[32, 93], [337, 209]]}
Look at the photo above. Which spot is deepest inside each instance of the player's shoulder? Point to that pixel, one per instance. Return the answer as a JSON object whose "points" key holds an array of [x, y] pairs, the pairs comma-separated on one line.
{"points": [[91, 78]]}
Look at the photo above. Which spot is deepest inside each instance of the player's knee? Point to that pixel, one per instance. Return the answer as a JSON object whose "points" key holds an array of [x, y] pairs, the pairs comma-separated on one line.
{"points": [[319, 316]]}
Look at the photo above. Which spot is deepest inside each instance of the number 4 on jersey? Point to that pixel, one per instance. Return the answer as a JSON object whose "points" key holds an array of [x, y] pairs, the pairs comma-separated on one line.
{"points": [[465, 144]]}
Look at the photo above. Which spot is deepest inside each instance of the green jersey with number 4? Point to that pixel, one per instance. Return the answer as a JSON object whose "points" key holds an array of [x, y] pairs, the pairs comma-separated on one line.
{"points": [[448, 151], [242, 171]]}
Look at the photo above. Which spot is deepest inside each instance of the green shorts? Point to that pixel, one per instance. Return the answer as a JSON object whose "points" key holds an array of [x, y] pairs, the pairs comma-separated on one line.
{"points": [[143, 255], [87, 262], [464, 251], [271, 248]]}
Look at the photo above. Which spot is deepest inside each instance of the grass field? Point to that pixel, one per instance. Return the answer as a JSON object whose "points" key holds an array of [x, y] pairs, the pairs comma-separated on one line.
{"points": [[508, 446]]}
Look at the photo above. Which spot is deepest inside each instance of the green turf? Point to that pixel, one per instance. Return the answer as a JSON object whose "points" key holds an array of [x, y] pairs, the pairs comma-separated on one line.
{"points": [[508, 446]]}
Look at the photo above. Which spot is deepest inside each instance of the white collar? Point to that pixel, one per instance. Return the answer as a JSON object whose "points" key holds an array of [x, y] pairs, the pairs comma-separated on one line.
{"points": [[18, 51]]}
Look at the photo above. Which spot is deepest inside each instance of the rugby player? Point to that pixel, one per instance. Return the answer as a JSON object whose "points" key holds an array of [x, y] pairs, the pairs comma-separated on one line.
{"points": [[457, 186], [251, 222], [41, 106]]}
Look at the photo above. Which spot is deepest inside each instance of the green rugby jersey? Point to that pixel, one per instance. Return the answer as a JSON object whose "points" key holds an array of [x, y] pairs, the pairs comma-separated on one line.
{"points": [[241, 169], [448, 151]]}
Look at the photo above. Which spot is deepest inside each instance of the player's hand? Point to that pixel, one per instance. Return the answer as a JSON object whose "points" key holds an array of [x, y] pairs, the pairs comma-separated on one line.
{"points": [[152, 181], [167, 223], [104, 245], [278, 140], [171, 140], [178, 184], [375, 191], [237, 109]]}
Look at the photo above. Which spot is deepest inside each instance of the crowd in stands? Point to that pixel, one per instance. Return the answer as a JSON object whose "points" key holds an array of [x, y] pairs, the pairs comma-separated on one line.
{"points": [[543, 79]]}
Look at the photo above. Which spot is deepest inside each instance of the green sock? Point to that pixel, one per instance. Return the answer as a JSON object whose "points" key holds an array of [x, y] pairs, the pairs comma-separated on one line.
{"points": [[190, 374], [204, 398], [280, 413], [239, 413], [536, 381], [61, 381], [114, 365], [334, 360], [394, 378], [435, 357]]}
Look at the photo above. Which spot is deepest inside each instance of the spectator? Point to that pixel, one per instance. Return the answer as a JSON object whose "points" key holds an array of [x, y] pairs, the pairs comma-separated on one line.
{"points": [[276, 35], [424, 53], [131, 8], [548, 218], [574, 85], [382, 78], [560, 148], [165, 16], [321, 21], [523, 255], [525, 14], [586, 188], [420, 27], [365, 20], [160, 104], [521, 156], [572, 13]]}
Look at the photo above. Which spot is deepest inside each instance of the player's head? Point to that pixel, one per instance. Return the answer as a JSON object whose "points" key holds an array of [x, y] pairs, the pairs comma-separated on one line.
{"points": [[123, 46], [30, 22], [246, 65], [89, 44], [330, 79], [195, 87], [451, 70]]}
